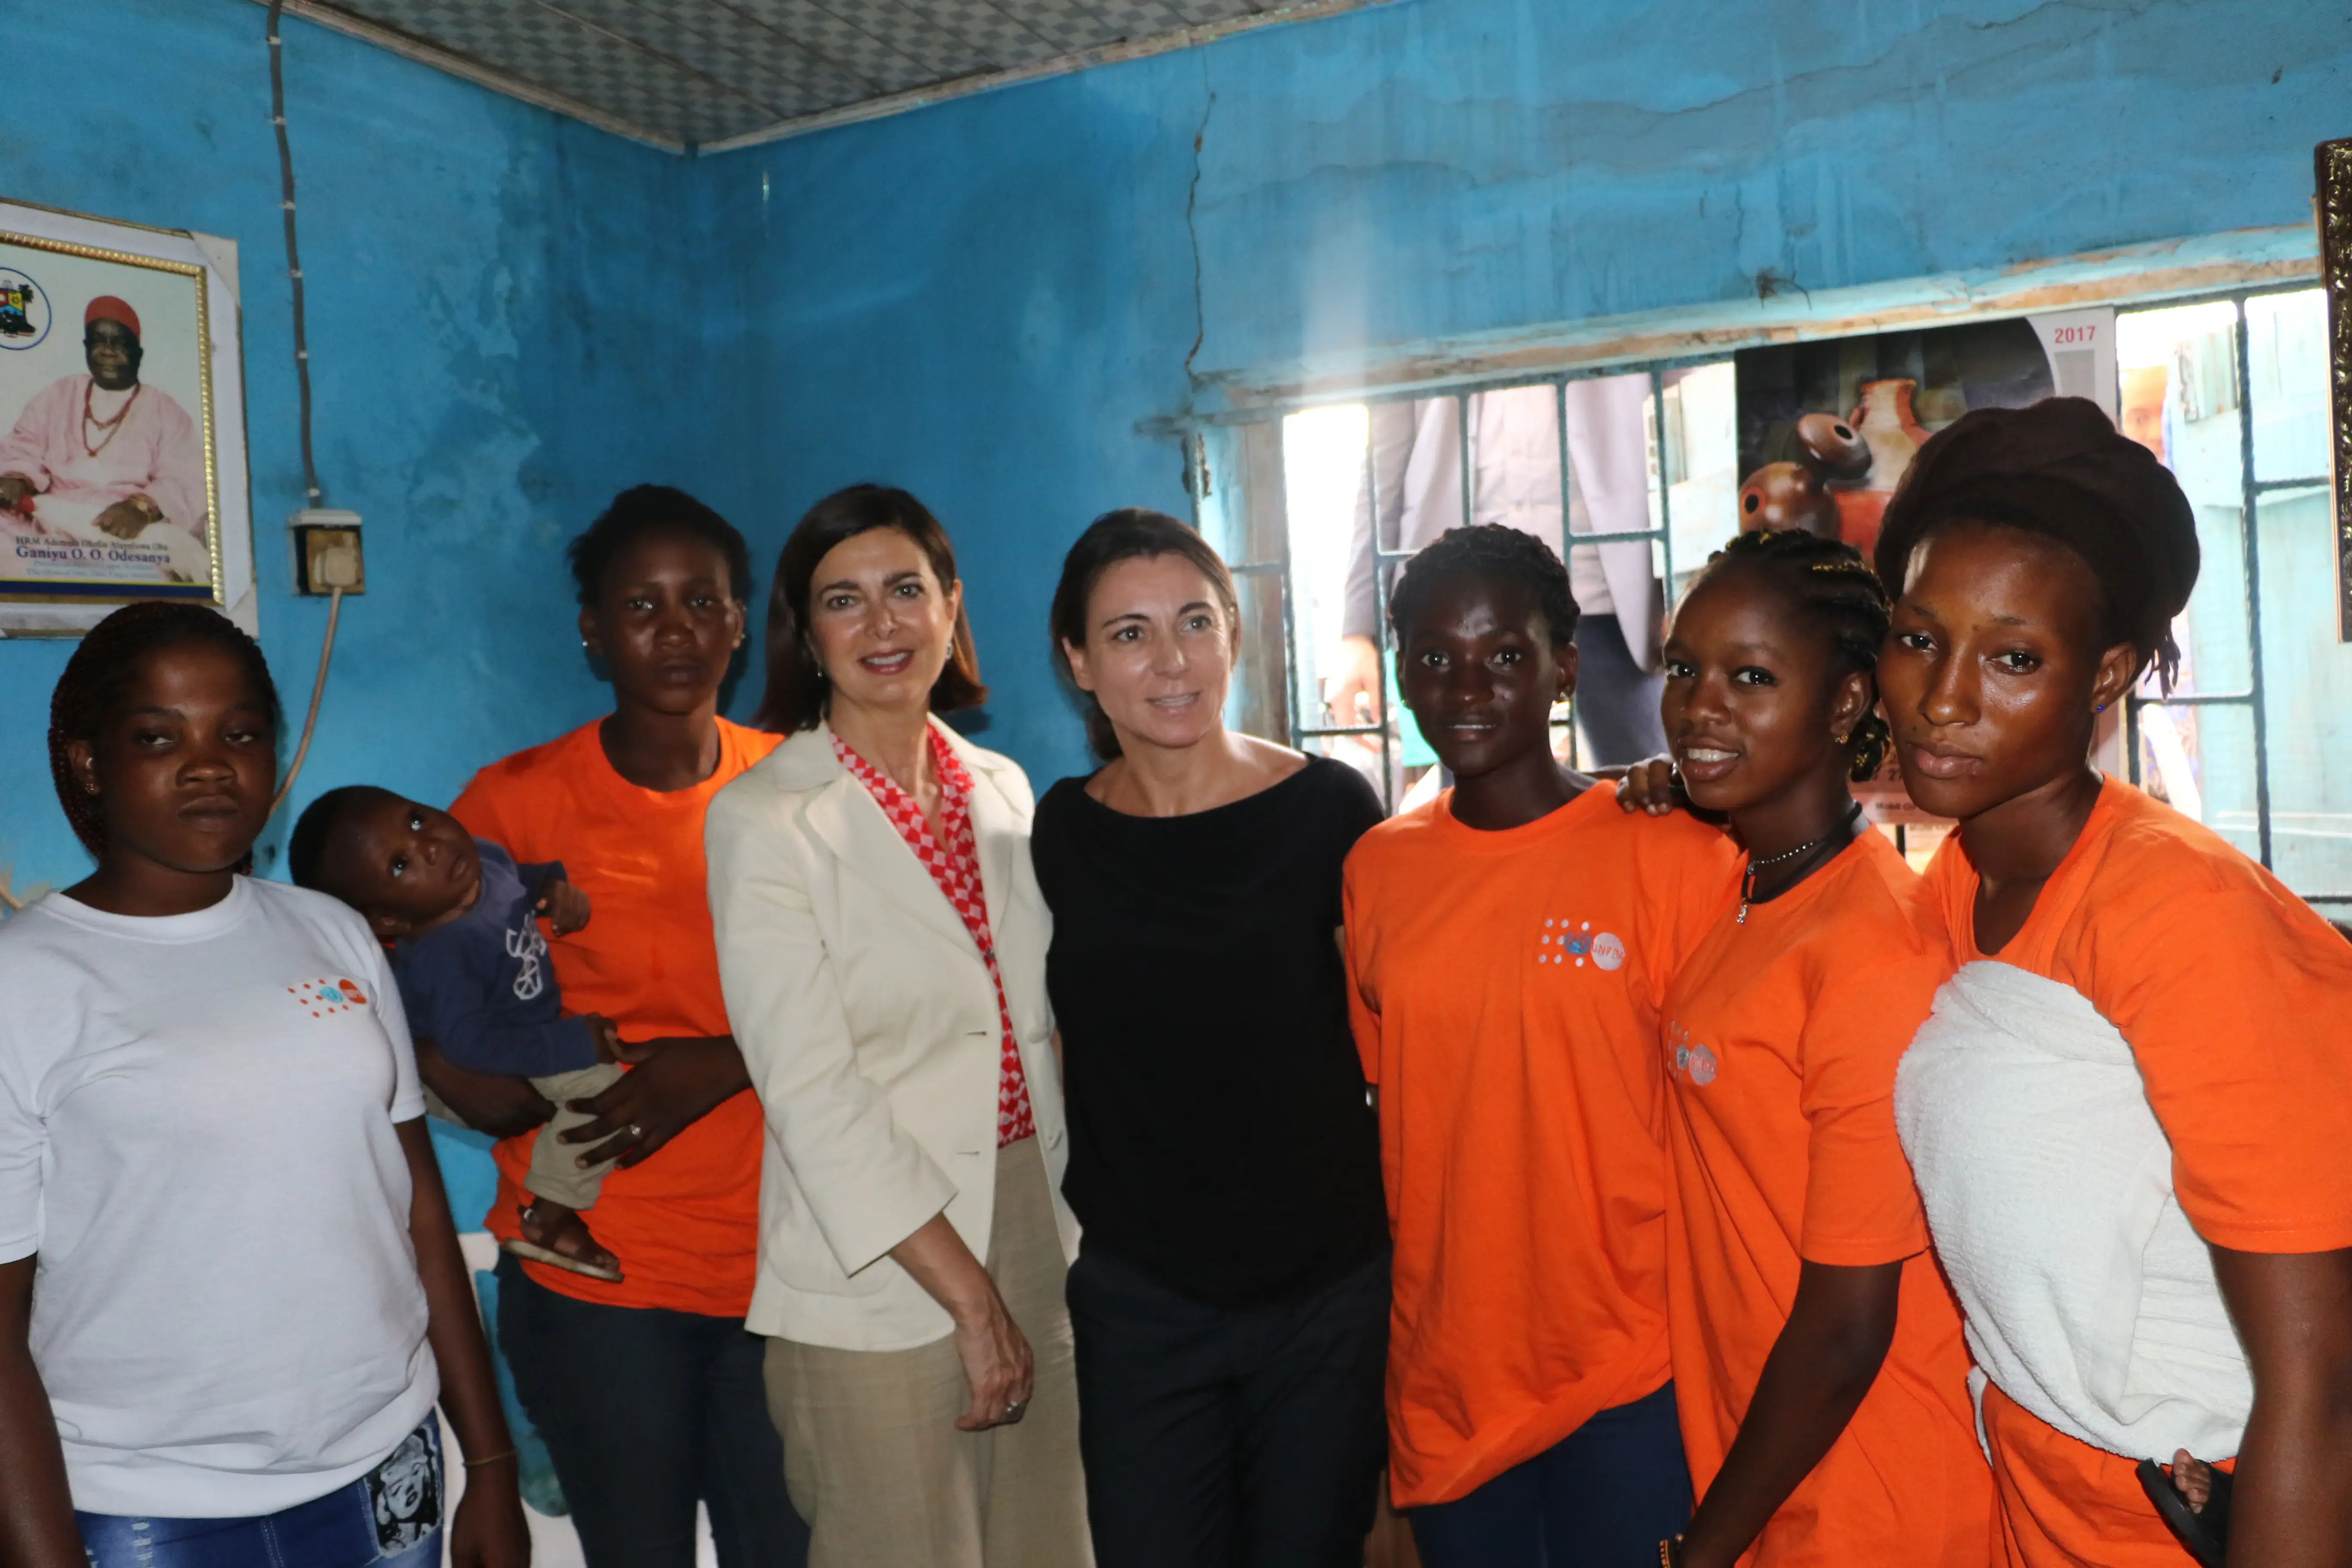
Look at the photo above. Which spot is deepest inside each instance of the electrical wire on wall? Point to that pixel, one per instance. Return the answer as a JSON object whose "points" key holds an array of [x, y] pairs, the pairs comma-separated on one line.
{"points": [[313, 495]]}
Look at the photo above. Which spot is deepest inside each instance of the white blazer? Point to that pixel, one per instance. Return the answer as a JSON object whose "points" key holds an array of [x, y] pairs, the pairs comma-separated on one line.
{"points": [[864, 1013]]}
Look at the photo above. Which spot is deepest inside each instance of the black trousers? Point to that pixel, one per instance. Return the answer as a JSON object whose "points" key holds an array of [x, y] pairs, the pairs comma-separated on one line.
{"points": [[645, 1411], [1215, 1438], [1616, 699]]}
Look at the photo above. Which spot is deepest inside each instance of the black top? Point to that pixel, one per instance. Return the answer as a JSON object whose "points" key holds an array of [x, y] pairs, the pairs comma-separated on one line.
{"points": [[1219, 1140]]}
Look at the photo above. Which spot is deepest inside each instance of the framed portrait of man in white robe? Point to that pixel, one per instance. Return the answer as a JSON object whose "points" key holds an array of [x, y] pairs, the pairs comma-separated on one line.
{"points": [[122, 471]]}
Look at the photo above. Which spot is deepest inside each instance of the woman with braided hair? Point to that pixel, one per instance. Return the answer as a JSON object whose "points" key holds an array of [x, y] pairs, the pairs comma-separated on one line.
{"points": [[2127, 1113], [1817, 1356], [230, 1291]]}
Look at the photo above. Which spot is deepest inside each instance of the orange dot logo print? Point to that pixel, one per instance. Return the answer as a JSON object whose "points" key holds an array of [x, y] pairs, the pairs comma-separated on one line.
{"points": [[327, 995], [1567, 941], [1690, 1059]]}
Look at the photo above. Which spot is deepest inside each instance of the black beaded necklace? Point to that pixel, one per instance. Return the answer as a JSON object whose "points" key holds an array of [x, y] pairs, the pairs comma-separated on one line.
{"points": [[1842, 833]]}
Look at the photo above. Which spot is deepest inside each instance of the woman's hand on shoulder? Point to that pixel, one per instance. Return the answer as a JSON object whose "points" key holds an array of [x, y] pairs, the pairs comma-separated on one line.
{"points": [[1649, 786], [681, 1080], [487, 1528]]}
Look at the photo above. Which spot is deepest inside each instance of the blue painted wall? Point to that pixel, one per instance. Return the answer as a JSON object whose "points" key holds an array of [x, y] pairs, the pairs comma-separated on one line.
{"points": [[496, 300], [992, 301], [985, 299]]}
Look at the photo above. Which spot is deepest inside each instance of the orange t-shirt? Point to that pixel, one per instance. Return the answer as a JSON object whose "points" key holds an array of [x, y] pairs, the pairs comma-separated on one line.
{"points": [[1781, 1039], [686, 1224], [1505, 990], [2229, 991]]}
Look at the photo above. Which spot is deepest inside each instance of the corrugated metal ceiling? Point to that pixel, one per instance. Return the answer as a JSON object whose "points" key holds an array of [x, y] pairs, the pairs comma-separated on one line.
{"points": [[689, 73]]}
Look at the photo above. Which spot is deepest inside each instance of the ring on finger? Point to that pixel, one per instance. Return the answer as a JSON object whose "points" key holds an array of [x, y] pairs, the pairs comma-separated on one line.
{"points": [[1012, 1411], [637, 1133]]}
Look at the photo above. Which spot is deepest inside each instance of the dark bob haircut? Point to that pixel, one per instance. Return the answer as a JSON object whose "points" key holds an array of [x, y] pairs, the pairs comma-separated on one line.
{"points": [[1131, 532], [641, 512], [795, 698]]}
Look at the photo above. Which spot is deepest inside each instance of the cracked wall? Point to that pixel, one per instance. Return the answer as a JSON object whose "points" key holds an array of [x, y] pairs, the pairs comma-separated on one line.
{"points": [[985, 299]]}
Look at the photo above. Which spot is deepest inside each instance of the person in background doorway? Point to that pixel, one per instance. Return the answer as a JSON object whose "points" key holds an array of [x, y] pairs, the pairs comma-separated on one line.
{"points": [[2127, 1113], [1515, 434], [1817, 1352], [882, 942], [104, 454], [1509, 946], [648, 1391], [1231, 1300], [230, 1291]]}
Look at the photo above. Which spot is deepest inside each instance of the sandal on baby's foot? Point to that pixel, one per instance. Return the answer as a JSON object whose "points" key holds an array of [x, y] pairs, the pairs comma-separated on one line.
{"points": [[2205, 1532], [558, 1236]]}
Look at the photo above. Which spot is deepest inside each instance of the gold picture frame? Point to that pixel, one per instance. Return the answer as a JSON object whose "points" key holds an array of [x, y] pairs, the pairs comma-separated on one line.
{"points": [[66, 557], [2332, 164]]}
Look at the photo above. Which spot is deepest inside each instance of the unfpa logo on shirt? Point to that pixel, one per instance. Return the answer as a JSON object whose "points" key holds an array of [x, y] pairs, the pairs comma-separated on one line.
{"points": [[1690, 1059], [326, 995], [1567, 941]]}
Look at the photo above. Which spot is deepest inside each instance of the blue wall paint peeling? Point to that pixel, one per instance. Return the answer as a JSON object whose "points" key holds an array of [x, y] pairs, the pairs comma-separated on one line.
{"points": [[494, 298], [1429, 169], [991, 300]]}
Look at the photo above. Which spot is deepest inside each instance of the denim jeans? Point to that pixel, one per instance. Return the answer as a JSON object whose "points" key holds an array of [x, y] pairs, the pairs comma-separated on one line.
{"points": [[645, 1411], [1602, 1496], [389, 1518]]}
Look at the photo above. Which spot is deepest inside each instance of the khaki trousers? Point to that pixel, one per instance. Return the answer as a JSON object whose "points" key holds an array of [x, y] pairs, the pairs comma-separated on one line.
{"points": [[872, 1457]]}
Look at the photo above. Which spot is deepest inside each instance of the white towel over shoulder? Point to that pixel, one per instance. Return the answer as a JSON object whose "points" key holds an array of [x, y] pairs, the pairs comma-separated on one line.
{"points": [[2048, 1183]]}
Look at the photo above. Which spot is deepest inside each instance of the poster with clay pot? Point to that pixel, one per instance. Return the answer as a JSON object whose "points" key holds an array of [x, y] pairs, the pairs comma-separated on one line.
{"points": [[1827, 428]]}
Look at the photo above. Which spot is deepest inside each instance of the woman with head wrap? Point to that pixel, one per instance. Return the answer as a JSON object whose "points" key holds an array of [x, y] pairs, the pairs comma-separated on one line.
{"points": [[2127, 1114]]}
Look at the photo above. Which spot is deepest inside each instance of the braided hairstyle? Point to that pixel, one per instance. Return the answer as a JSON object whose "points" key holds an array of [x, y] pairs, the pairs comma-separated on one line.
{"points": [[1496, 553], [1829, 582], [99, 677]]}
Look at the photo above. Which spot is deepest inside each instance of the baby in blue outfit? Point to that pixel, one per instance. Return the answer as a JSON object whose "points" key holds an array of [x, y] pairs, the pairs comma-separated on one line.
{"points": [[462, 921]]}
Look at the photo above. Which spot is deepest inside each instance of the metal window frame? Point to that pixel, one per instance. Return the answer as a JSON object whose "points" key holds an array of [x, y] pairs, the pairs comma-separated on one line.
{"points": [[1384, 558], [2255, 698], [1270, 415]]}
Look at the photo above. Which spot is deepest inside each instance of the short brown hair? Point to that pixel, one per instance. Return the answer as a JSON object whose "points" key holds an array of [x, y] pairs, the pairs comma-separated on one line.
{"points": [[1126, 535], [795, 698]]}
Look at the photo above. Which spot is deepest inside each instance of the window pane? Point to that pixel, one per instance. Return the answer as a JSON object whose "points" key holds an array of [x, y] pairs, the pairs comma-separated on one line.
{"points": [[2308, 689], [1702, 463], [2178, 368], [1255, 702], [2202, 759], [2286, 365], [1323, 478]]}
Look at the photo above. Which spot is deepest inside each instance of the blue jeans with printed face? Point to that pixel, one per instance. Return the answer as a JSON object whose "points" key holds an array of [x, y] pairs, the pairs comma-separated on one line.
{"points": [[389, 1518]]}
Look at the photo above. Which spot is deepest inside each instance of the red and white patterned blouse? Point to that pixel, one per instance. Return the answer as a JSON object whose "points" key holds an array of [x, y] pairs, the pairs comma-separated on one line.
{"points": [[955, 867]]}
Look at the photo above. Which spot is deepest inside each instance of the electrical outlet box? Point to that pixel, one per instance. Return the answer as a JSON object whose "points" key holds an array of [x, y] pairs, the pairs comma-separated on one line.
{"points": [[327, 554]]}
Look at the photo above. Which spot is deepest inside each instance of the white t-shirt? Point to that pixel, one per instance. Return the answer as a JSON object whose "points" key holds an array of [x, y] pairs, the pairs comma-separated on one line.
{"points": [[197, 1136]]}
